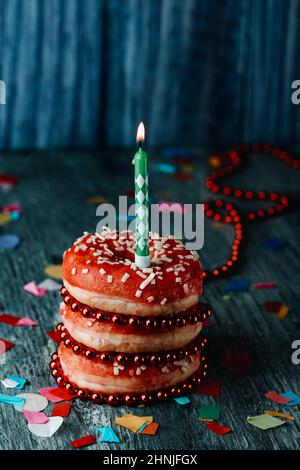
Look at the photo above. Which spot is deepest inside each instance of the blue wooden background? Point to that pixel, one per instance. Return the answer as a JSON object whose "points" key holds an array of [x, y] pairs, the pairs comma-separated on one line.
{"points": [[83, 73]]}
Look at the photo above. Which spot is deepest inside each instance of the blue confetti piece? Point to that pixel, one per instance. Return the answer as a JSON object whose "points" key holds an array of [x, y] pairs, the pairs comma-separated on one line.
{"points": [[274, 244], [165, 168], [15, 215], [18, 402], [238, 285], [295, 398], [106, 435], [20, 381], [9, 242], [143, 427], [182, 400]]}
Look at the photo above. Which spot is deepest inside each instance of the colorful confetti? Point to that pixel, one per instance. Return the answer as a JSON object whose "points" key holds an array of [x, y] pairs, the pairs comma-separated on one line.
{"points": [[236, 360], [33, 402], [209, 413], [238, 285], [294, 399], [211, 388], [279, 415], [151, 429], [61, 409], [182, 400], [54, 270], [33, 289], [35, 417], [106, 434], [47, 429], [264, 421], [218, 428], [84, 441], [132, 422], [9, 242], [272, 395], [5, 345]]}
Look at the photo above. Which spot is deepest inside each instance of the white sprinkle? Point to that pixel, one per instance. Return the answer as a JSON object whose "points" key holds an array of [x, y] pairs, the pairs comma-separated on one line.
{"points": [[74, 271], [84, 270], [153, 282], [150, 299], [125, 277], [138, 293], [186, 288], [168, 270], [89, 323], [138, 371], [147, 281], [165, 370], [116, 371], [109, 279], [141, 274], [178, 279], [102, 271], [88, 261], [143, 367], [164, 301]]}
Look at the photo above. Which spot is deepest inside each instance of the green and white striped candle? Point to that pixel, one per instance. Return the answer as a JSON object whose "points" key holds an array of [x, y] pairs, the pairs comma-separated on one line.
{"points": [[142, 256]]}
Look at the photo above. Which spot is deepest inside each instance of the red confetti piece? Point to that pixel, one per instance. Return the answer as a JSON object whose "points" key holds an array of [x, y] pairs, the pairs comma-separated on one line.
{"points": [[61, 409], [211, 388], [151, 429], [236, 360], [218, 428], [272, 395], [61, 393], [54, 335], [9, 319], [5, 345], [272, 306], [8, 180], [182, 176], [83, 441], [265, 285]]}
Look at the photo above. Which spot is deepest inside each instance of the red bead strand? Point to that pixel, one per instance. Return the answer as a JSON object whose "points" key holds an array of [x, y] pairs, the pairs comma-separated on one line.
{"points": [[222, 211]]}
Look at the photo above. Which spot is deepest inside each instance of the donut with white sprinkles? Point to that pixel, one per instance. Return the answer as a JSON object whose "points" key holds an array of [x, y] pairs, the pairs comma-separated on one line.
{"points": [[128, 330]]}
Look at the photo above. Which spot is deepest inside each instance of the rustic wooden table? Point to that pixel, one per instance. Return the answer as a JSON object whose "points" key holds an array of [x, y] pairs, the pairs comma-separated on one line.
{"points": [[53, 189]]}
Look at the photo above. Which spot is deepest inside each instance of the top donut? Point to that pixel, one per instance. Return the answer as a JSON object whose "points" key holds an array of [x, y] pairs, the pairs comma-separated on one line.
{"points": [[99, 270]]}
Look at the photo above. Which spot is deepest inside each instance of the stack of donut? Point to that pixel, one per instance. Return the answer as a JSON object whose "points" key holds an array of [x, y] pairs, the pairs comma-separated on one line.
{"points": [[130, 335]]}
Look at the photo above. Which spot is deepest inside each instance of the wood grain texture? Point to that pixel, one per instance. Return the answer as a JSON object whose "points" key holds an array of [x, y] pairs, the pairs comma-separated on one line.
{"points": [[53, 189], [84, 73]]}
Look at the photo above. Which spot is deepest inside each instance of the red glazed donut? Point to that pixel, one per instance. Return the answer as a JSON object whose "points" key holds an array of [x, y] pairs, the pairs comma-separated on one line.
{"points": [[99, 271], [97, 376], [125, 329]]}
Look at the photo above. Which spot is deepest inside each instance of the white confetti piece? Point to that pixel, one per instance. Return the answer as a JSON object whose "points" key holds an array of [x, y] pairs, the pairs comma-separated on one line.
{"points": [[47, 429], [34, 402]]}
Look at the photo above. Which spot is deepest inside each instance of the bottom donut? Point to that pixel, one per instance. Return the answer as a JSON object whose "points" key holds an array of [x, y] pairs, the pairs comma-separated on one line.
{"points": [[96, 382]]}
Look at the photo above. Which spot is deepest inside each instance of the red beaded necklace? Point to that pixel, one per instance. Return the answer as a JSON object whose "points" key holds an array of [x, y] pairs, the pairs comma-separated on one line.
{"points": [[222, 211]]}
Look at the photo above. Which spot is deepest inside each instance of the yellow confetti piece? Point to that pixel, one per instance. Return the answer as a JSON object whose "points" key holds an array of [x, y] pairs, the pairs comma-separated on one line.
{"points": [[279, 415], [54, 270], [214, 161], [4, 218], [133, 422], [96, 200], [282, 312], [186, 168], [226, 297]]}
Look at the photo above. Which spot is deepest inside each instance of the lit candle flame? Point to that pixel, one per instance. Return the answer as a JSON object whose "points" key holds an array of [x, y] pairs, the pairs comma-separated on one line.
{"points": [[140, 135]]}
